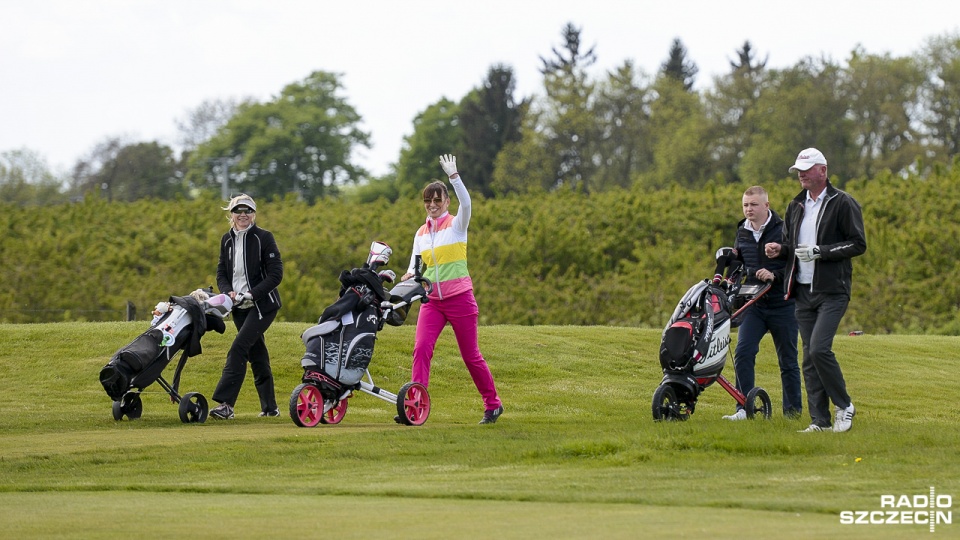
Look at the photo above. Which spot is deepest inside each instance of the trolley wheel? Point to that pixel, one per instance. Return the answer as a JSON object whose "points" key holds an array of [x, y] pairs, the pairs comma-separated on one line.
{"points": [[306, 405], [758, 402], [335, 415], [413, 404], [665, 404], [193, 408], [130, 405]]}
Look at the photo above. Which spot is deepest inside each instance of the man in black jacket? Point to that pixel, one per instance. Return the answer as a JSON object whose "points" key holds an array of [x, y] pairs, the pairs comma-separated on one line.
{"points": [[823, 231], [771, 313]]}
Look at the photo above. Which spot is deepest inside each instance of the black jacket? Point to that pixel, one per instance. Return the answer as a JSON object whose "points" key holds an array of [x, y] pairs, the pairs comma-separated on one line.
{"points": [[840, 237], [751, 253], [264, 267]]}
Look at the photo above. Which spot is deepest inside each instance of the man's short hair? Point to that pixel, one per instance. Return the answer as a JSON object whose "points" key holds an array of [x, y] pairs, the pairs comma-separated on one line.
{"points": [[755, 190]]}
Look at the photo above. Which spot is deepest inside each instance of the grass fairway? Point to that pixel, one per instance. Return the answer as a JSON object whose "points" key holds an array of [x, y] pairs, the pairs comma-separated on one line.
{"points": [[575, 455]]}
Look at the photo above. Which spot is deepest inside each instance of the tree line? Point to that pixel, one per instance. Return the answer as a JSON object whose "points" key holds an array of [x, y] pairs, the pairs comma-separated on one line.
{"points": [[620, 257], [870, 113]]}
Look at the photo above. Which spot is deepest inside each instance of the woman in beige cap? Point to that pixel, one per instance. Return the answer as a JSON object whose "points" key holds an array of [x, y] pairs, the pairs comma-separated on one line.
{"points": [[250, 269]]}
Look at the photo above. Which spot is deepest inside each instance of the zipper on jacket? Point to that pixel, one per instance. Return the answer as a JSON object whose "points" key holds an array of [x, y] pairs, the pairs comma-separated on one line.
{"points": [[436, 264]]}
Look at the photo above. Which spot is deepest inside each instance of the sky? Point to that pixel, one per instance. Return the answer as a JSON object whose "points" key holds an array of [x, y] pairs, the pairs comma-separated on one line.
{"points": [[74, 73]]}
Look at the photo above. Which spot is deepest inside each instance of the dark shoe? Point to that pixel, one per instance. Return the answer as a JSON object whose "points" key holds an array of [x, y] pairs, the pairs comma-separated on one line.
{"points": [[490, 417], [222, 412], [792, 414], [275, 412], [397, 419]]}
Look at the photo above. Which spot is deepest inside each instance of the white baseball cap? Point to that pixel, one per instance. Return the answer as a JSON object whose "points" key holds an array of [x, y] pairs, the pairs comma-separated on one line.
{"points": [[808, 158]]}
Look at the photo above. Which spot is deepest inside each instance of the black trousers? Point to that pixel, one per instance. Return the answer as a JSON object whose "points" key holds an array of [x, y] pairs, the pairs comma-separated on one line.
{"points": [[819, 318], [249, 346]]}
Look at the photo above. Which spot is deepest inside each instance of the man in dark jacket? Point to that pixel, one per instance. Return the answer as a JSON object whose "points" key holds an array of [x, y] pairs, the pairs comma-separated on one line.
{"points": [[822, 232], [771, 313]]}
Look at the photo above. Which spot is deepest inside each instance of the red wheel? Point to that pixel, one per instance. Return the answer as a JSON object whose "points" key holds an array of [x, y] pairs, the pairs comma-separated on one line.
{"points": [[306, 405], [335, 415], [413, 404]]}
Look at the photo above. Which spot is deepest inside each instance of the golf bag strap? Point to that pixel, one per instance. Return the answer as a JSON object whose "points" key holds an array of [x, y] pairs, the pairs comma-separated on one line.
{"points": [[178, 371]]}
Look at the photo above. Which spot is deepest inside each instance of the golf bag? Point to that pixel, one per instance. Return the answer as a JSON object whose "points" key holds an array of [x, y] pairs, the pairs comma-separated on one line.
{"points": [[696, 339], [341, 343], [142, 361], [696, 342]]}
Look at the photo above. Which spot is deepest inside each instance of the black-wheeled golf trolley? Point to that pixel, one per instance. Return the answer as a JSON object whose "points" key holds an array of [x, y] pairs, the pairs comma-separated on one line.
{"points": [[339, 348], [696, 342], [141, 363]]}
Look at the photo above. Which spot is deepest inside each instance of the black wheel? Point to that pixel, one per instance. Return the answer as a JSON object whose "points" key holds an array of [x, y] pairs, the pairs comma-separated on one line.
{"points": [[130, 405], [413, 404], [193, 408], [758, 402], [665, 404], [117, 411]]}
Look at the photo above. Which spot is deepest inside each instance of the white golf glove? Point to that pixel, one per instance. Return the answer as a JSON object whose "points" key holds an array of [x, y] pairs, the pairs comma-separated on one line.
{"points": [[245, 301], [449, 164], [808, 253]]}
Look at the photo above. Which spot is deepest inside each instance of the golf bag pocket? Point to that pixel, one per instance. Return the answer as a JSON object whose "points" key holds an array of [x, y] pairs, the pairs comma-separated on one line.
{"points": [[141, 352], [677, 346], [129, 361], [344, 351], [115, 379]]}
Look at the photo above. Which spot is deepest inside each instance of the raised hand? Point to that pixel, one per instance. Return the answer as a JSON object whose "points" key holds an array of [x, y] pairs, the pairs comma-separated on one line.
{"points": [[449, 164]]}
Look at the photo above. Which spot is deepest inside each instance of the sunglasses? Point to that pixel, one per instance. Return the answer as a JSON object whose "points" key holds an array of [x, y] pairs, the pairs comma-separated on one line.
{"points": [[247, 211], [435, 200]]}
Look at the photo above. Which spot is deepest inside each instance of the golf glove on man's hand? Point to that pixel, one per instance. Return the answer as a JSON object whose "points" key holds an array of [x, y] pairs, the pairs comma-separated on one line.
{"points": [[808, 253], [449, 164]]}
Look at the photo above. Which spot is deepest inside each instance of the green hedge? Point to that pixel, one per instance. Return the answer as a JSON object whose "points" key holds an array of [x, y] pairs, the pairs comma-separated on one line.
{"points": [[620, 258]]}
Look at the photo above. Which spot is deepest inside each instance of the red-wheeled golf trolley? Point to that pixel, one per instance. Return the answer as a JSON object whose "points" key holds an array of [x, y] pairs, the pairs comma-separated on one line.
{"points": [[340, 346], [696, 343]]}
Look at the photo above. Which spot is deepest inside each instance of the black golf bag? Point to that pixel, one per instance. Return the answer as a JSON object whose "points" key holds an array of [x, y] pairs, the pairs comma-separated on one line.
{"points": [[341, 343], [140, 363]]}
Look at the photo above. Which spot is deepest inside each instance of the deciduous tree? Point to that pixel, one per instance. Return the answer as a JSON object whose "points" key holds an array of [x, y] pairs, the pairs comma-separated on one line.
{"points": [[436, 131], [622, 112], [940, 59], [26, 179], [302, 142]]}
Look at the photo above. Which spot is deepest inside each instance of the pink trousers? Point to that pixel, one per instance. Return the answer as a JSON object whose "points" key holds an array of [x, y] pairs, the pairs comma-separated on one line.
{"points": [[462, 313]]}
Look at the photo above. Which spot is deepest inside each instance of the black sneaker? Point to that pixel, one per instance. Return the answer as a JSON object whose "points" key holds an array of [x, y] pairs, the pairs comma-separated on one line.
{"points": [[222, 412], [490, 417], [275, 412]]}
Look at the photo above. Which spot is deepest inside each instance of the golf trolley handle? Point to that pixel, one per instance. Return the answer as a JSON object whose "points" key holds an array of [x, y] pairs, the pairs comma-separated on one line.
{"points": [[757, 296], [418, 276]]}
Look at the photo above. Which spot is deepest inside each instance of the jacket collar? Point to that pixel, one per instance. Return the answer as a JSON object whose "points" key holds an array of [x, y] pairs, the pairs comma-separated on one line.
{"points": [[433, 224], [830, 192]]}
